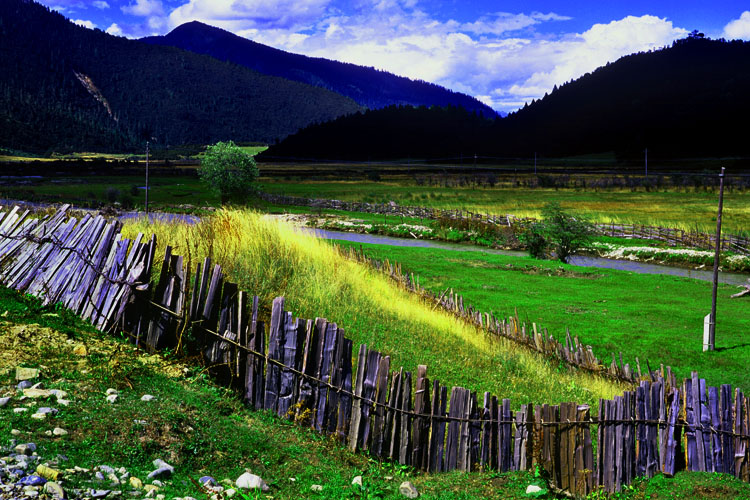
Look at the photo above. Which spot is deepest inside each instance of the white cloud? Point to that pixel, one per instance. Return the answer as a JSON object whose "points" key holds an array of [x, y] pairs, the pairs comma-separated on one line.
{"points": [[144, 8], [478, 58], [85, 23], [738, 28], [237, 15], [502, 22], [114, 29], [100, 4]]}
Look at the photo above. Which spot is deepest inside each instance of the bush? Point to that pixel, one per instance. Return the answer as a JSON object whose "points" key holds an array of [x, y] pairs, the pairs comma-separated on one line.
{"points": [[564, 232], [534, 240]]}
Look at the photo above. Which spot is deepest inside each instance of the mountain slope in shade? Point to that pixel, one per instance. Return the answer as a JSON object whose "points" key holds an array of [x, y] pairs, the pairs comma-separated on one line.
{"points": [[689, 100], [65, 87], [367, 86]]}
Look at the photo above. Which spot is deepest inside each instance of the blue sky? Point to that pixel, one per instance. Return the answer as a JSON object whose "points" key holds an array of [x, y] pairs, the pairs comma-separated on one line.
{"points": [[503, 52]]}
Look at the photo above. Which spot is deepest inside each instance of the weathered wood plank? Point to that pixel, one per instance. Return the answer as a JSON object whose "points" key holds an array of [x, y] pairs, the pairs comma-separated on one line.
{"points": [[337, 372], [405, 444], [421, 424], [378, 431], [288, 378], [276, 339], [393, 417], [727, 443], [356, 419], [368, 395], [345, 401], [329, 346], [452, 441], [254, 383]]}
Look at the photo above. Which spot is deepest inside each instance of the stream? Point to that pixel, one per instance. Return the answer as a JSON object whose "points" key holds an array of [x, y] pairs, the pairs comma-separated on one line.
{"points": [[577, 260]]}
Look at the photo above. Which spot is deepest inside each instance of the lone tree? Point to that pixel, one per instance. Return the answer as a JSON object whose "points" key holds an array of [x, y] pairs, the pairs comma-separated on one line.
{"points": [[557, 231], [228, 169]]}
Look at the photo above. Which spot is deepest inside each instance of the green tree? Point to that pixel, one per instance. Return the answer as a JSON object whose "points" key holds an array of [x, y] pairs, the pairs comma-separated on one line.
{"points": [[228, 169], [563, 231]]}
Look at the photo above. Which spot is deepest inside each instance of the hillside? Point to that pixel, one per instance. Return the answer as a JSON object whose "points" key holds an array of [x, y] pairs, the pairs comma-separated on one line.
{"points": [[369, 87], [685, 100], [65, 87]]}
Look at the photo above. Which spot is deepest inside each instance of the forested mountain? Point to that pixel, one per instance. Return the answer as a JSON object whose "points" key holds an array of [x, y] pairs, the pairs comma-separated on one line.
{"points": [[65, 87], [690, 99], [367, 86]]}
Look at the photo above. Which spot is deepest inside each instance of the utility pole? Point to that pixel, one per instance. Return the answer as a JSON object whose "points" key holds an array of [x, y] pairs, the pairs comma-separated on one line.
{"points": [[712, 319], [534, 163], [146, 178], [646, 163]]}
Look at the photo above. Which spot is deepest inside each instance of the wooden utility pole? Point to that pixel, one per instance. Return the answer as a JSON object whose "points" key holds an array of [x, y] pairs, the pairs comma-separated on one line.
{"points": [[534, 163], [712, 320], [147, 178], [646, 163]]}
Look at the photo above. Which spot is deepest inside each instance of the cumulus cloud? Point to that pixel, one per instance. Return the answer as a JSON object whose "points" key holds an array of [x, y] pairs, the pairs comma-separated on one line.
{"points": [[237, 15], [85, 23], [738, 28], [144, 8], [114, 29], [500, 57], [100, 4]]}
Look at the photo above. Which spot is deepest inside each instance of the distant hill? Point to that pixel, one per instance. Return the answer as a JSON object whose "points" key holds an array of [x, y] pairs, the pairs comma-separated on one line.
{"points": [[691, 99], [64, 87], [369, 87]]}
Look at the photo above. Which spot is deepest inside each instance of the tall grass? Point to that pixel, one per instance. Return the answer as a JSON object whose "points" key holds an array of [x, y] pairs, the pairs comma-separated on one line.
{"points": [[270, 258]]}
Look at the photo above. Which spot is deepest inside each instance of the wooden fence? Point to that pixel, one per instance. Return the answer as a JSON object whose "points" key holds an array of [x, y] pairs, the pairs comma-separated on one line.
{"points": [[304, 370], [671, 236]]}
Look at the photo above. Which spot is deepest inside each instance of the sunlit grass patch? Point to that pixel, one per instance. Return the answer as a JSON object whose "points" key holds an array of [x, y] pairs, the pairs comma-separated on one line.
{"points": [[269, 258]]}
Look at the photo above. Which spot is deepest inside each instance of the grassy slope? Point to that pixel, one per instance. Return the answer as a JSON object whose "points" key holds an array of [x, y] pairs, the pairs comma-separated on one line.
{"points": [[198, 427], [654, 317], [270, 259], [674, 209]]}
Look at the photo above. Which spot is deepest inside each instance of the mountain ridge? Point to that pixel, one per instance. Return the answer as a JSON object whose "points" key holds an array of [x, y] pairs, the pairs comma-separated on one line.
{"points": [[367, 86], [162, 94]]}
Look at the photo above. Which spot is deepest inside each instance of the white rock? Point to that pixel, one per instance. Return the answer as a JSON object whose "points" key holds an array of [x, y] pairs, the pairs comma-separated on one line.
{"points": [[532, 488], [63, 402], [59, 431], [20, 410], [316, 487], [251, 482], [357, 481], [111, 391], [147, 397], [112, 398], [408, 490], [15, 432], [230, 493]]}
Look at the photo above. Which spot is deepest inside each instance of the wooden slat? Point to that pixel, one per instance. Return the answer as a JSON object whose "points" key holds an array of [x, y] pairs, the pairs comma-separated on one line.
{"points": [[421, 424], [405, 444], [275, 341], [329, 347], [727, 443], [254, 380], [393, 417], [368, 394], [475, 432], [337, 372], [452, 441], [356, 419], [345, 401], [378, 436], [288, 378]]}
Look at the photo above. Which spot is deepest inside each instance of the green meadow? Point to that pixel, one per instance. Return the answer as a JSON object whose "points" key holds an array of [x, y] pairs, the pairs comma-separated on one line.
{"points": [[656, 318], [686, 209]]}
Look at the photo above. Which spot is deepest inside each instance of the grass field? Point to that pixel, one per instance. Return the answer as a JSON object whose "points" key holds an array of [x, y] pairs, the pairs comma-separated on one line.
{"points": [[654, 317], [680, 209], [270, 259]]}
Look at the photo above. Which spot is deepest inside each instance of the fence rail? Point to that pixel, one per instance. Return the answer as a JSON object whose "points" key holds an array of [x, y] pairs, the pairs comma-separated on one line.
{"points": [[303, 370], [671, 236]]}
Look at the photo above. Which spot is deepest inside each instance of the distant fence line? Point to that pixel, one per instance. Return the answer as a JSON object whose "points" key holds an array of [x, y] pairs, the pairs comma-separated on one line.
{"points": [[303, 371], [671, 236]]}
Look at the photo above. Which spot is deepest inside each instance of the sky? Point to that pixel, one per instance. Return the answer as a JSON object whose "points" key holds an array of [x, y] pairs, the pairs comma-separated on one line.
{"points": [[505, 53]]}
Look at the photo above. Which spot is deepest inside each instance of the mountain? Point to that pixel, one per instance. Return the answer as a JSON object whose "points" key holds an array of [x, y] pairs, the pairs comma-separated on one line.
{"points": [[689, 99], [369, 87], [64, 87]]}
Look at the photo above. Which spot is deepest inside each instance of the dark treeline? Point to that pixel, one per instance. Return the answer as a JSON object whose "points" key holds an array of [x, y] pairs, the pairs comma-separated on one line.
{"points": [[367, 86], [64, 87], [690, 99]]}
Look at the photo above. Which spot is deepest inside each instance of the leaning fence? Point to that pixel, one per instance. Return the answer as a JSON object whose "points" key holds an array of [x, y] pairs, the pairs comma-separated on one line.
{"points": [[306, 371], [670, 236]]}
